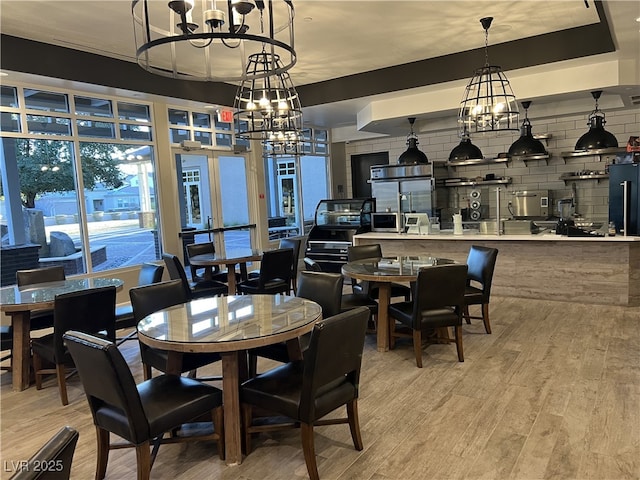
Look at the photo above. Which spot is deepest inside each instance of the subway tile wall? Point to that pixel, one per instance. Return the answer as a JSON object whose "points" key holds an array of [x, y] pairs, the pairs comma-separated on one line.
{"points": [[591, 195]]}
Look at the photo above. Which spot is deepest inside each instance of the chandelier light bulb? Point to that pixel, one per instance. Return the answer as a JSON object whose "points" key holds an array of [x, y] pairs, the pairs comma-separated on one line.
{"points": [[44, 168], [55, 169]]}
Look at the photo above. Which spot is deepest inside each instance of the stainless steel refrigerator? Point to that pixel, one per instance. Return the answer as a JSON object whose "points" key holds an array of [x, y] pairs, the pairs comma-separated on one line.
{"points": [[624, 197]]}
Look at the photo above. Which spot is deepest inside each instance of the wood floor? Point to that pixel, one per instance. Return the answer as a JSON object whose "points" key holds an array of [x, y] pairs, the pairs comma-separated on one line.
{"points": [[553, 393]]}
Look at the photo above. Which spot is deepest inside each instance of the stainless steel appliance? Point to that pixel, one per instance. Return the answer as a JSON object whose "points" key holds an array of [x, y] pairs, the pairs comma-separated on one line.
{"points": [[403, 188], [624, 197], [530, 204], [386, 222], [336, 222]]}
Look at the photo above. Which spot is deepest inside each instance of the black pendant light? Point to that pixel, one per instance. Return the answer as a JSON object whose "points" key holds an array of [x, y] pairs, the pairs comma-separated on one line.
{"points": [[526, 145], [412, 155], [465, 150], [597, 137]]}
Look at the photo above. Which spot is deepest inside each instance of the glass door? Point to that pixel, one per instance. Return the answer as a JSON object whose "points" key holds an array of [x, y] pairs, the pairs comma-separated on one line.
{"points": [[214, 202]]}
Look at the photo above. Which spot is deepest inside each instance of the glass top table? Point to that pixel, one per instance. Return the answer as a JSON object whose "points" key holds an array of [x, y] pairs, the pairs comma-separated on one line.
{"points": [[384, 271], [230, 259], [229, 325], [19, 302]]}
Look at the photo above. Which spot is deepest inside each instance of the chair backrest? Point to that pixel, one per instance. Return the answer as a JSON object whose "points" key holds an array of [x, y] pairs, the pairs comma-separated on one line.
{"points": [[334, 356], [108, 385], [276, 265], [40, 275], [151, 298], [194, 249], [294, 244], [440, 287], [90, 311], [481, 263], [360, 252], [53, 460], [150, 273], [323, 288], [176, 271], [311, 265]]}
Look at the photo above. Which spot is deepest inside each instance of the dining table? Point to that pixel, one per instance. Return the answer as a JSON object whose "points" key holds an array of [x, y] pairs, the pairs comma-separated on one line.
{"points": [[383, 271], [230, 258], [229, 325], [19, 302]]}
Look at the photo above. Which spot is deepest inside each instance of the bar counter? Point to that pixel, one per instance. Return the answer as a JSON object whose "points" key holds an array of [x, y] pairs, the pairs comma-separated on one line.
{"points": [[599, 270]]}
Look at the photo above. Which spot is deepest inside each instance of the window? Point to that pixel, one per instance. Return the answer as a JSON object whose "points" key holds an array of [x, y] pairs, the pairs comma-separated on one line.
{"points": [[111, 221], [198, 126]]}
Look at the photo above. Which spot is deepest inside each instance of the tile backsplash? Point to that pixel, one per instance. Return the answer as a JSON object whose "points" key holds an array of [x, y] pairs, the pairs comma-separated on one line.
{"points": [[591, 196]]}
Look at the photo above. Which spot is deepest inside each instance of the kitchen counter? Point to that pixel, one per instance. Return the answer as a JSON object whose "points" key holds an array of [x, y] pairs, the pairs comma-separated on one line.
{"points": [[600, 270]]}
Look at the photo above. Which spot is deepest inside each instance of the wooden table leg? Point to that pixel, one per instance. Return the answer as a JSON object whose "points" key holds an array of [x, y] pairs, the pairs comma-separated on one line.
{"points": [[174, 362], [231, 278], [231, 400], [21, 352], [384, 297]]}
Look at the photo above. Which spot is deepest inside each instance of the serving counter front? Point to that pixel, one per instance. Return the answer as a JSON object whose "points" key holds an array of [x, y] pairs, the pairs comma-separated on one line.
{"points": [[600, 270]]}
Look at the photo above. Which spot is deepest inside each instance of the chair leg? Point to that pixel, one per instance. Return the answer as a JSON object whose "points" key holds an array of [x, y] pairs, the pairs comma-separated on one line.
{"points": [[485, 317], [354, 424], [37, 368], [252, 365], [62, 383], [218, 425], [102, 453], [392, 331], [143, 457], [309, 450], [458, 333], [465, 314], [146, 371], [417, 347]]}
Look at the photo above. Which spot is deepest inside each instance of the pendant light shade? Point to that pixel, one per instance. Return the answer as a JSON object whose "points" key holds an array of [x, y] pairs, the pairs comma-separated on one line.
{"points": [[267, 107], [597, 137], [488, 104], [412, 155], [526, 145], [465, 150]]}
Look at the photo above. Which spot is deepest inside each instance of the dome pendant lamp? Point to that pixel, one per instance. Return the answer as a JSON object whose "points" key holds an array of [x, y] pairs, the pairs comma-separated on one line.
{"points": [[412, 155], [527, 145], [465, 150], [488, 104], [597, 137]]}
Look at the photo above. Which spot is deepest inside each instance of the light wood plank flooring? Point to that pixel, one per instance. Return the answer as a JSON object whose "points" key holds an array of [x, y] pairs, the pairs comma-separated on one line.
{"points": [[553, 393]]}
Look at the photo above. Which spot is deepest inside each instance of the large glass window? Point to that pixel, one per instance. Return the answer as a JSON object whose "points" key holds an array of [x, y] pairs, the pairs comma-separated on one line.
{"points": [[80, 182]]}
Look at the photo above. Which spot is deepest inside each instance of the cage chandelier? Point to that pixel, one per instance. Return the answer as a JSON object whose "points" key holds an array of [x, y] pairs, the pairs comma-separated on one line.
{"points": [[267, 107], [488, 104], [210, 40]]}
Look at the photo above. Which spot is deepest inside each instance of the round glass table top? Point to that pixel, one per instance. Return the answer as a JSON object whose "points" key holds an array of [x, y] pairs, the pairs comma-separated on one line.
{"points": [[45, 293], [224, 321], [404, 268], [234, 255]]}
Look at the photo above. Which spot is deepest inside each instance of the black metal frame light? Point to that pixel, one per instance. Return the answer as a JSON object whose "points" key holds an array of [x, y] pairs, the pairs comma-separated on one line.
{"points": [[196, 40], [488, 104], [597, 137], [412, 155], [267, 107]]}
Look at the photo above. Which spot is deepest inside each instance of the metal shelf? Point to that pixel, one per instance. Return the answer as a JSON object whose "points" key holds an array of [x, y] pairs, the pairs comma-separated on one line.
{"points": [[477, 161], [597, 177], [501, 181], [593, 153], [528, 158]]}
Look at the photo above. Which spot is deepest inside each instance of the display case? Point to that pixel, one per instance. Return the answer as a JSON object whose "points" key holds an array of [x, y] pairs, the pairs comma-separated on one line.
{"points": [[336, 222]]}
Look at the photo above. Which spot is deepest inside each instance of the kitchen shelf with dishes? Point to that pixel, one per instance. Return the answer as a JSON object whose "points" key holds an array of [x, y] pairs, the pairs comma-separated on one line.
{"points": [[477, 161], [584, 175], [470, 182], [600, 152]]}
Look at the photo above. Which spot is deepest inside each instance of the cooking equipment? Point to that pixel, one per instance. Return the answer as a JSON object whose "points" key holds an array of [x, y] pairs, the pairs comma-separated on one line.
{"points": [[386, 222], [624, 197], [403, 188], [530, 204], [518, 227]]}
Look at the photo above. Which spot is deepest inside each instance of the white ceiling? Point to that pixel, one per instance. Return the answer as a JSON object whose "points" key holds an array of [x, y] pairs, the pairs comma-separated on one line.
{"points": [[339, 38]]}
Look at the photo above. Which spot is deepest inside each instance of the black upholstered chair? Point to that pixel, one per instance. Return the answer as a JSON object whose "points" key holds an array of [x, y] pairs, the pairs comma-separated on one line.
{"points": [[481, 263], [438, 303], [295, 245], [151, 298], [311, 265], [193, 290], [91, 311], [361, 252], [323, 288], [149, 273], [275, 274], [53, 460], [43, 318], [307, 390], [198, 273], [140, 414]]}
